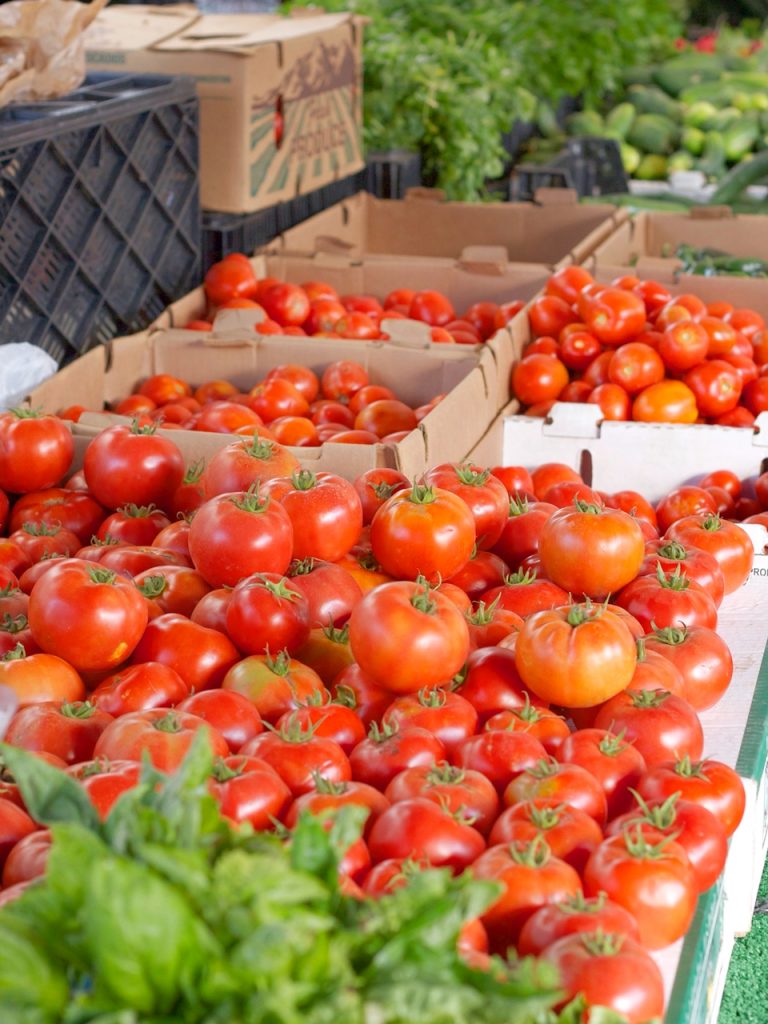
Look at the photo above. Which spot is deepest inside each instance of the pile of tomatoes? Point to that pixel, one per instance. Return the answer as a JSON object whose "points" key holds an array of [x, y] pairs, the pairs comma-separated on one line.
{"points": [[505, 668], [640, 353], [315, 308], [291, 405]]}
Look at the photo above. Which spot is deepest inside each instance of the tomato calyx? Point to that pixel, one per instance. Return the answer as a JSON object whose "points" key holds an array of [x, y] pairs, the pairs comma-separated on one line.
{"points": [[579, 614], [432, 697], [382, 733], [100, 575], [133, 511], [194, 472], [545, 818], [10, 590], [642, 653], [383, 490], [277, 589], [581, 904], [422, 602], [688, 769], [18, 652], [336, 635], [544, 768], [589, 508], [251, 501], [327, 786], [345, 696], [483, 615], [534, 854], [613, 744], [304, 480], [99, 766], [107, 541], [673, 636], [712, 522], [471, 476], [662, 816], [527, 713], [522, 578], [153, 586], [673, 550], [145, 429], [648, 698], [301, 567], [280, 664], [293, 730], [445, 774], [600, 943], [41, 529], [222, 772], [259, 448], [422, 494], [77, 709], [676, 580], [368, 562], [22, 413], [170, 722], [461, 815], [637, 844], [518, 506], [13, 623]]}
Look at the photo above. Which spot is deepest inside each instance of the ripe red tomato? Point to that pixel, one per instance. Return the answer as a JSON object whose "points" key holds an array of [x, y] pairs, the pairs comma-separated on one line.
{"points": [[486, 497], [359, 691], [67, 729], [164, 735], [549, 314], [331, 591], [421, 829], [654, 882], [35, 451], [230, 713], [432, 307], [325, 511], [27, 859], [614, 315], [387, 751], [274, 684], [500, 755], [423, 531], [449, 716], [73, 510], [39, 541], [139, 688], [550, 779], [456, 790], [249, 789], [590, 550], [482, 572], [668, 401], [406, 637], [14, 825], [567, 283], [616, 764], [725, 541], [133, 464], [709, 783], [87, 615], [635, 366], [667, 599], [701, 657], [230, 278], [694, 563], [570, 833], [522, 530], [683, 345], [659, 724], [609, 970], [716, 386], [549, 728], [242, 464], [575, 656], [265, 611], [172, 588], [40, 677], [201, 656], [655, 672], [575, 916], [538, 377], [375, 486], [531, 878], [492, 683], [235, 535]]}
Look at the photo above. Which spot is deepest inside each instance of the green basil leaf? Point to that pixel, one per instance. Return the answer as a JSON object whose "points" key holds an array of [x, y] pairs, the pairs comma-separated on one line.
{"points": [[49, 793]]}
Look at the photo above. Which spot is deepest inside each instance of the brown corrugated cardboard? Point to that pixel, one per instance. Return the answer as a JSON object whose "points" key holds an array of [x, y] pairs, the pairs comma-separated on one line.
{"points": [[467, 376], [646, 244], [554, 232], [280, 97]]}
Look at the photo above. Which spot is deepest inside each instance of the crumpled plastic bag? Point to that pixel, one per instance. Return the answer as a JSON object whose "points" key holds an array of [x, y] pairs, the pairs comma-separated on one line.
{"points": [[42, 52], [24, 366]]}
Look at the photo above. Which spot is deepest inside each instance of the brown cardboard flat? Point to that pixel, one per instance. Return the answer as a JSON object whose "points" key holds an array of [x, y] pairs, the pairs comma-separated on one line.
{"points": [[646, 244], [250, 68], [553, 233]]}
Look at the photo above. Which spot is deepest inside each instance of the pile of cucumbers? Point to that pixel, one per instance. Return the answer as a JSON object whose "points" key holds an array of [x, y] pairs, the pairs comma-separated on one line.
{"points": [[697, 111]]}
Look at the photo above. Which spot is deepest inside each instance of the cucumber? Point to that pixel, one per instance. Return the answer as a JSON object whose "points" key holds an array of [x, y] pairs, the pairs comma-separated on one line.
{"points": [[712, 91], [739, 179], [630, 157], [619, 121], [585, 122], [682, 160], [652, 168], [740, 138], [686, 70], [651, 100], [638, 76], [725, 118], [693, 140], [700, 114], [712, 162], [653, 133], [747, 81]]}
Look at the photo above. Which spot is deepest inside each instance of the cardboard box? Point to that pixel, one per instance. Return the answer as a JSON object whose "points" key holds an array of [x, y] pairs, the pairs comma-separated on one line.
{"points": [[554, 231], [416, 370], [255, 73], [646, 244]]}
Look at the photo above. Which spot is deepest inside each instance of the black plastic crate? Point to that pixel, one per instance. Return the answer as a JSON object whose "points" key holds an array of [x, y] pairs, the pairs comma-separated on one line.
{"points": [[592, 166], [99, 210], [224, 233], [393, 172]]}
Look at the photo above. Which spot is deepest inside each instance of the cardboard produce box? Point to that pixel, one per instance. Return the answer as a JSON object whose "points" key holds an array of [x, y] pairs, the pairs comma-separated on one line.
{"points": [[553, 231], [280, 97], [416, 370], [646, 245]]}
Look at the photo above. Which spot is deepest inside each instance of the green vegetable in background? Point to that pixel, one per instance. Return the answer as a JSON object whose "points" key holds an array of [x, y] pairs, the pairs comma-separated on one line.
{"points": [[166, 914]]}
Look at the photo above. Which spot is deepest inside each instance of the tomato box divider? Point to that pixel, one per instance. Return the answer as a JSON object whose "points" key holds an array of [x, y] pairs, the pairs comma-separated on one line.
{"points": [[555, 230]]}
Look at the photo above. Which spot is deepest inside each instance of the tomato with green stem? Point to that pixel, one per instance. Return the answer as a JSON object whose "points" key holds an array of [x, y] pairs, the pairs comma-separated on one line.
{"points": [[454, 789], [694, 562], [660, 725], [524, 593], [375, 486], [162, 735], [489, 624], [39, 541], [273, 684], [681, 502], [653, 881], [522, 530], [728, 544], [655, 672], [133, 464], [500, 755], [387, 750], [485, 495], [420, 828], [668, 599], [574, 916], [331, 591], [570, 833], [551, 779], [448, 715], [406, 637], [245, 463], [606, 755], [545, 725], [325, 511], [35, 450], [491, 682], [702, 658], [709, 783], [295, 751], [266, 610], [249, 789]]}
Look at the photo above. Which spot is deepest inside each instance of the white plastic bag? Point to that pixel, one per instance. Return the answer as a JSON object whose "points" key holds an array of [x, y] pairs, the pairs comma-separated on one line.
{"points": [[22, 368]]}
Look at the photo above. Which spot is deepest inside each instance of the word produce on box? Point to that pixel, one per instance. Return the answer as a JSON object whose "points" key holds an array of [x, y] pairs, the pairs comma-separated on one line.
{"points": [[280, 97]]}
